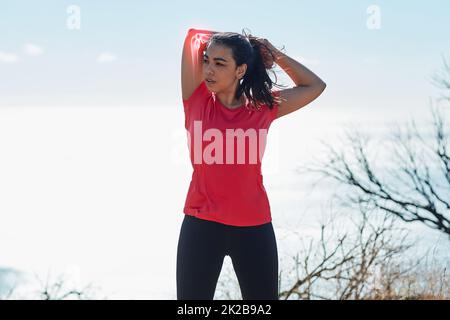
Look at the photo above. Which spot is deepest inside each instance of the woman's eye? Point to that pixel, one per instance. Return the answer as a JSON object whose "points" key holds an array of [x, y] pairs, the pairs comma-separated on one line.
{"points": [[206, 61]]}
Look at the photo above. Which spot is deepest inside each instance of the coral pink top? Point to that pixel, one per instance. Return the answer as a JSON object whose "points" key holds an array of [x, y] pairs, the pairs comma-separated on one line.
{"points": [[226, 148]]}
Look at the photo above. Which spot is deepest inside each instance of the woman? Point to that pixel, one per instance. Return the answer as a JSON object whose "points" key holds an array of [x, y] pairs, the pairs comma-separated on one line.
{"points": [[229, 106]]}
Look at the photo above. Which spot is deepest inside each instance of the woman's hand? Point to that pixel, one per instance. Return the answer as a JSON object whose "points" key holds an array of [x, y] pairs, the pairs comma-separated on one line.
{"points": [[269, 53]]}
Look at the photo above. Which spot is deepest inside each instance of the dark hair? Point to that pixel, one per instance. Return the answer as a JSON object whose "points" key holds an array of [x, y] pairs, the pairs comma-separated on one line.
{"points": [[256, 84]]}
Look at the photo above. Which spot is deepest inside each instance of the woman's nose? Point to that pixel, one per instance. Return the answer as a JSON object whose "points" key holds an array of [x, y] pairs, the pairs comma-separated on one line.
{"points": [[208, 69]]}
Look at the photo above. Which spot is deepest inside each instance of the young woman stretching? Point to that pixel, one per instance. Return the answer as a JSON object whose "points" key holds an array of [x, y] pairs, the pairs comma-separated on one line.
{"points": [[229, 106]]}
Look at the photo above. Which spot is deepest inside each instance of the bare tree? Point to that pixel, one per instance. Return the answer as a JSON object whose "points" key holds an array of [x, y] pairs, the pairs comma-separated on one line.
{"points": [[410, 192], [412, 279], [9, 279], [369, 259], [339, 265], [416, 190], [441, 79], [61, 288]]}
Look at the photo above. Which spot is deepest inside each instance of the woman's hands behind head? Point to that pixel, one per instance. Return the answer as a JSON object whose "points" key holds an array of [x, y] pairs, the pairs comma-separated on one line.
{"points": [[269, 53]]}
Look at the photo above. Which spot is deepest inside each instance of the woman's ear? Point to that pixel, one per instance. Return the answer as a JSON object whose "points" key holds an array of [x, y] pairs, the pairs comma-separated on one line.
{"points": [[241, 70]]}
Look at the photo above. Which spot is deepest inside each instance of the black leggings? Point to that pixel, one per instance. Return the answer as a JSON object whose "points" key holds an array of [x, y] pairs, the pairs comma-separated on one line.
{"points": [[203, 245]]}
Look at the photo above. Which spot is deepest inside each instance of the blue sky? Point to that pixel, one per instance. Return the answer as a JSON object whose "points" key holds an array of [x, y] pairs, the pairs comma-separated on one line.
{"points": [[146, 39], [91, 122]]}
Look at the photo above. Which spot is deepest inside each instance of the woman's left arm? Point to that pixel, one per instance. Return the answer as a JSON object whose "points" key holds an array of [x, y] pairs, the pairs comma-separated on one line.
{"points": [[301, 75], [308, 86]]}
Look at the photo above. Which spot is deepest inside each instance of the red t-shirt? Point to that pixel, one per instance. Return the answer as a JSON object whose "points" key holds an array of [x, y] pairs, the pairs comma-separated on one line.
{"points": [[226, 147]]}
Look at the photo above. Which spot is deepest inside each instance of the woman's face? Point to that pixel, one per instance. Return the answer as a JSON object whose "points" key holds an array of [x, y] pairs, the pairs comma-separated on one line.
{"points": [[219, 66]]}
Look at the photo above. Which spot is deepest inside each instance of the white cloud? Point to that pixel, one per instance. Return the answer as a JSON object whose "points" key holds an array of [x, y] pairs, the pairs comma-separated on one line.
{"points": [[6, 57], [33, 50], [106, 57]]}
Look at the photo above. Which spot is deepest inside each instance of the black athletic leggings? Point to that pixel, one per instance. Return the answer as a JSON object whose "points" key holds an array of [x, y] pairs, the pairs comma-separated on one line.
{"points": [[203, 245]]}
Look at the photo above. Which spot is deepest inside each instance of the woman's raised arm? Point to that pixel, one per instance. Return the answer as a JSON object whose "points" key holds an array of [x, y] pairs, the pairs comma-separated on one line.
{"points": [[308, 86], [192, 60]]}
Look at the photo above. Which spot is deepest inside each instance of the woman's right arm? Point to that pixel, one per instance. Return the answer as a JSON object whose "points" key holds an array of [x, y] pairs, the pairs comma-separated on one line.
{"points": [[192, 60]]}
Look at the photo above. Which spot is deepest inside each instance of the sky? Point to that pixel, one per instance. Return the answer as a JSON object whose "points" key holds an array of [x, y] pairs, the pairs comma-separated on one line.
{"points": [[94, 167], [141, 47]]}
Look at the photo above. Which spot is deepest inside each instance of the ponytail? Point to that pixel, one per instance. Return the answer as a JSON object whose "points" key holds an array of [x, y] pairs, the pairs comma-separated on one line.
{"points": [[256, 84]]}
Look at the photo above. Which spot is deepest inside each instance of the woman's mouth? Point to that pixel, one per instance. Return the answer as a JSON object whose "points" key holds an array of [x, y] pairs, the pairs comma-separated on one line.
{"points": [[209, 81]]}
